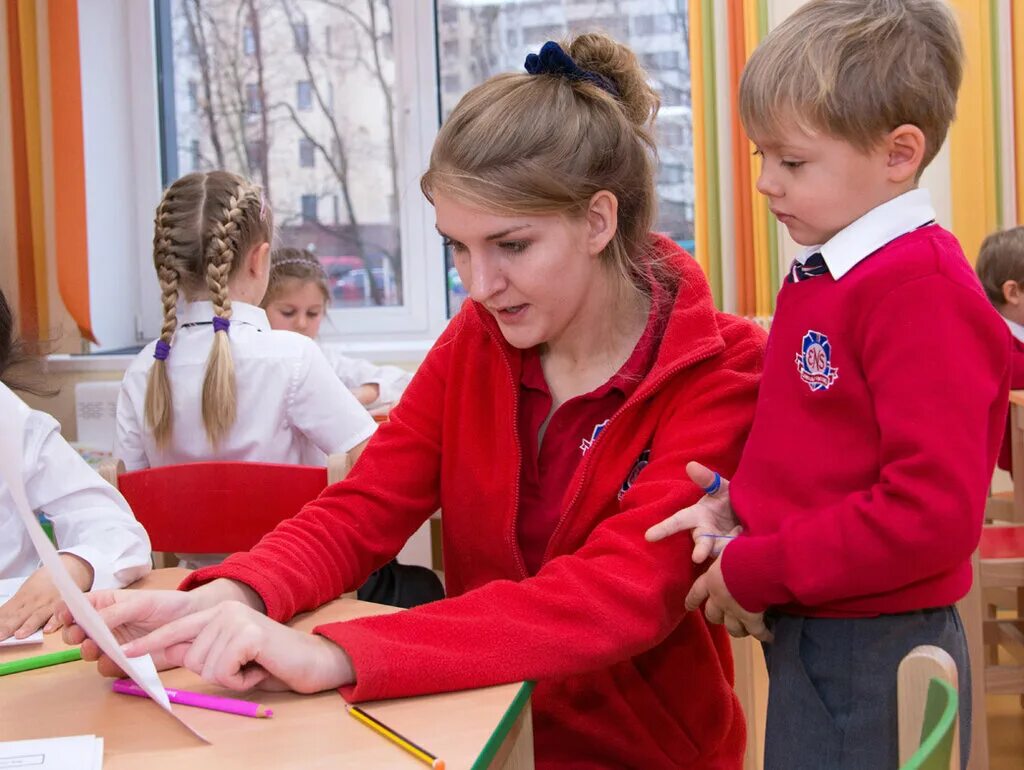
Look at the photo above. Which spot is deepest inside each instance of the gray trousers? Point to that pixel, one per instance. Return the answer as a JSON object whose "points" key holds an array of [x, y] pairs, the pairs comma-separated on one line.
{"points": [[832, 687]]}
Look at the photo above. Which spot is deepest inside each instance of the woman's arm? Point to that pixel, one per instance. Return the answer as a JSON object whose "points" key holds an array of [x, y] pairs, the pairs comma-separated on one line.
{"points": [[615, 597]]}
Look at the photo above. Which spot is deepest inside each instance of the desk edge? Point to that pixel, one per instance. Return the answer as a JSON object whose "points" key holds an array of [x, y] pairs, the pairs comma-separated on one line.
{"points": [[512, 713]]}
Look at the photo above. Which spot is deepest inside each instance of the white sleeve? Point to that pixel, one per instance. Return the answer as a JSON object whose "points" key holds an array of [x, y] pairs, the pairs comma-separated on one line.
{"points": [[323, 408], [392, 380], [90, 518], [128, 444]]}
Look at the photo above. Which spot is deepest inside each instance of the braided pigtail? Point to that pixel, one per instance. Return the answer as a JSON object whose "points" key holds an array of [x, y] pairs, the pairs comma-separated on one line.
{"points": [[220, 400], [158, 405]]}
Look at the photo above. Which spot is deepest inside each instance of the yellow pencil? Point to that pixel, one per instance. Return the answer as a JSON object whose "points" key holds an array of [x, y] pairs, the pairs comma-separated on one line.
{"points": [[375, 724]]}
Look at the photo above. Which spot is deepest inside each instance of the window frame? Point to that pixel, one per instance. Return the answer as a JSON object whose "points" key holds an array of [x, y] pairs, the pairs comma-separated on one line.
{"points": [[398, 333]]}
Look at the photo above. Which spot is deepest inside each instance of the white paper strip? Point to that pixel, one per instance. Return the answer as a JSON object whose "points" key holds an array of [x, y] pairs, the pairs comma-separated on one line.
{"points": [[141, 669]]}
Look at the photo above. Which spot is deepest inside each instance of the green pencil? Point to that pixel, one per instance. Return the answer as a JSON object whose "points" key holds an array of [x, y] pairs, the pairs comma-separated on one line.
{"points": [[40, 661]]}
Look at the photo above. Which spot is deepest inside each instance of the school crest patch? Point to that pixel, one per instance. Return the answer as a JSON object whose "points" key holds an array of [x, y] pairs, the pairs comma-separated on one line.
{"points": [[814, 361], [587, 442], [641, 462]]}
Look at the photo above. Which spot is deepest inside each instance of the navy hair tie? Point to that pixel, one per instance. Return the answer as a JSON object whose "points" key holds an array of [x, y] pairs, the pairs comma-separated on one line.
{"points": [[221, 324], [163, 349], [552, 60]]}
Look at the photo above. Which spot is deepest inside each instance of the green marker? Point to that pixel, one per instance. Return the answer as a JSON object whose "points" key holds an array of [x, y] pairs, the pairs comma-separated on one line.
{"points": [[41, 661]]}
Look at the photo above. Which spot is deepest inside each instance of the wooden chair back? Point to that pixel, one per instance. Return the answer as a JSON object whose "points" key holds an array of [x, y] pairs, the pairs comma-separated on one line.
{"points": [[928, 703]]}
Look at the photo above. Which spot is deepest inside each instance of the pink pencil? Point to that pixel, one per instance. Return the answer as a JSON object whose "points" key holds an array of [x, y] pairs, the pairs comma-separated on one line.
{"points": [[200, 700]]}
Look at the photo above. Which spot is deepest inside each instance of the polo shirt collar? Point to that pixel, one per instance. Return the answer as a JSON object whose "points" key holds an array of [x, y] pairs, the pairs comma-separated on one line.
{"points": [[241, 312], [1016, 329], [864, 236]]}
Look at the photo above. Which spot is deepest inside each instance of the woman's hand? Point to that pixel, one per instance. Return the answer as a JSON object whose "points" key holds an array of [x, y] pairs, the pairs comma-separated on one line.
{"points": [[35, 603], [131, 614], [236, 647], [711, 518]]}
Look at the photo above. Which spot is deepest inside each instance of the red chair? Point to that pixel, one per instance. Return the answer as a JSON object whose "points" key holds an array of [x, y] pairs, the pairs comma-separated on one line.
{"points": [[219, 507]]}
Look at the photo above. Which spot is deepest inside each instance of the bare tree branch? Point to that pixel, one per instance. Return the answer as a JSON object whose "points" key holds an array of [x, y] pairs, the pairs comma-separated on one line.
{"points": [[198, 33]]}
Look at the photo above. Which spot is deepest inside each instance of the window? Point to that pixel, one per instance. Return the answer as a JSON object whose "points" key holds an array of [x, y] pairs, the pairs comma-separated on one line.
{"points": [[358, 207], [651, 24], [307, 153], [661, 60], [308, 208], [497, 43], [254, 105], [671, 134], [254, 155], [301, 32], [304, 95]]}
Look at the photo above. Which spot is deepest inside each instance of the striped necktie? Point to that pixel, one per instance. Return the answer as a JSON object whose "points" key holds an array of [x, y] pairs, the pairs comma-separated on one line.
{"points": [[815, 265]]}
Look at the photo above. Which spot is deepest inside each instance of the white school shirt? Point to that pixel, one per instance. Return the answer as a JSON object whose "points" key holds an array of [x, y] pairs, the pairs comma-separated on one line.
{"points": [[90, 518], [1016, 329], [866, 235], [292, 408], [391, 380]]}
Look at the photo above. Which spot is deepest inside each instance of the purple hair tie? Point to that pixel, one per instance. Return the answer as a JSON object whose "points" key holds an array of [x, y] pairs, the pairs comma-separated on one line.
{"points": [[163, 349], [552, 60], [221, 324]]}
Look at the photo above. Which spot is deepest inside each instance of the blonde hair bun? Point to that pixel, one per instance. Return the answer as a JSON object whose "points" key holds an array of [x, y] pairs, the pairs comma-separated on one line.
{"points": [[597, 52]]}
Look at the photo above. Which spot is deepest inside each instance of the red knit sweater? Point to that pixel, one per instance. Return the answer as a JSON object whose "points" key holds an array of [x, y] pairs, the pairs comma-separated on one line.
{"points": [[865, 495], [1005, 460], [626, 677]]}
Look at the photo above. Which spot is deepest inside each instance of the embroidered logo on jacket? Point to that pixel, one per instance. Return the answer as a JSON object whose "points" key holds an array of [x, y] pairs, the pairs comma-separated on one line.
{"points": [[814, 361], [587, 442], [641, 463]]}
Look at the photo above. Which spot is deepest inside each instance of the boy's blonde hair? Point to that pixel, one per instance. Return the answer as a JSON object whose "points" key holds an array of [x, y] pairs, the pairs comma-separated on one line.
{"points": [[526, 144], [1001, 259], [299, 264], [203, 224], [857, 69]]}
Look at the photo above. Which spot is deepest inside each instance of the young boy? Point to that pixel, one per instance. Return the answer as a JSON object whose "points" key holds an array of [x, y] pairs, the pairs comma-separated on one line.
{"points": [[863, 481], [1001, 271]]}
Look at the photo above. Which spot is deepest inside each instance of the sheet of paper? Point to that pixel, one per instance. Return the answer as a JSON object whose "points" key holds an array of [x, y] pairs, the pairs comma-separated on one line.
{"points": [[77, 752], [141, 669], [8, 588]]}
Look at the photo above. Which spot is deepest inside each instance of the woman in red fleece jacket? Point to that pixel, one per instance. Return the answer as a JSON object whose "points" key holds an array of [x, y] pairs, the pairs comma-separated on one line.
{"points": [[550, 422]]}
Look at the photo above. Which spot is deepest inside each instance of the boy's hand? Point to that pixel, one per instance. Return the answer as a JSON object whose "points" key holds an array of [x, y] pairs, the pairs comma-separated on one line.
{"points": [[35, 602], [711, 518], [722, 608]]}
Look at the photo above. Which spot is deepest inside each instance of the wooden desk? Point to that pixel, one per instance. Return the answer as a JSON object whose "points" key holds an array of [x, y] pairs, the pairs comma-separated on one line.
{"points": [[485, 728]]}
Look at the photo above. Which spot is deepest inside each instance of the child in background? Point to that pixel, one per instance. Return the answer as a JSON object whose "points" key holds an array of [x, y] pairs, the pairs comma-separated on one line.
{"points": [[101, 543], [297, 299], [230, 387], [1000, 268], [862, 485]]}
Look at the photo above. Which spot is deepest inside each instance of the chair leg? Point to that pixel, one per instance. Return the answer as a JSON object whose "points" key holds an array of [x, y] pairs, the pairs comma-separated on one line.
{"points": [[971, 612], [991, 650]]}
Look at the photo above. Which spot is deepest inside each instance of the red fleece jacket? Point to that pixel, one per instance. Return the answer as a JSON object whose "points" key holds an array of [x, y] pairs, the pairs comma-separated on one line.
{"points": [[626, 677]]}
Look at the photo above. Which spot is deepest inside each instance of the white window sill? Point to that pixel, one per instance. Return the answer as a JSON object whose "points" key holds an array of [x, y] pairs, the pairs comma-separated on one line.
{"points": [[408, 353]]}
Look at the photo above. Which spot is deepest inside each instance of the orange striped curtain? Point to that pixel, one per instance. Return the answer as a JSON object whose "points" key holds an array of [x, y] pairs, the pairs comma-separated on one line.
{"points": [[752, 263], [45, 95]]}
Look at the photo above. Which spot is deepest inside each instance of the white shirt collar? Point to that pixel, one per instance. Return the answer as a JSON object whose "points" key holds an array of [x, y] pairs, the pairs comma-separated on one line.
{"points": [[1016, 329], [865, 236], [241, 312]]}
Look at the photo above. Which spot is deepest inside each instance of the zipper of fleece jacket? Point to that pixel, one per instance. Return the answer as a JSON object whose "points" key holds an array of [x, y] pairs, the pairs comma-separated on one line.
{"points": [[513, 539], [588, 458]]}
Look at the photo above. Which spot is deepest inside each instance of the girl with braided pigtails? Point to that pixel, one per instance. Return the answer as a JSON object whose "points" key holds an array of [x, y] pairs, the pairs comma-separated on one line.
{"points": [[219, 383]]}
